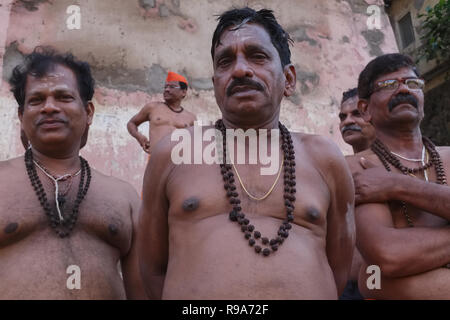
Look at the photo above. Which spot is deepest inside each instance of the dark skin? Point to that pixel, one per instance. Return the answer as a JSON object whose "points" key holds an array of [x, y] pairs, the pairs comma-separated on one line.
{"points": [[312, 263], [33, 259], [411, 259], [359, 134], [355, 131]]}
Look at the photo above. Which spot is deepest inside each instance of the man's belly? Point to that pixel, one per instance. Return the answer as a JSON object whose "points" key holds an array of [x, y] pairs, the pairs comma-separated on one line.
{"points": [[43, 266], [211, 259], [433, 284]]}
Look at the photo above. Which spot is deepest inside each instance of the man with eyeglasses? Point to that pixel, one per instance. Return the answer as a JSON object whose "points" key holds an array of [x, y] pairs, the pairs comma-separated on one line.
{"points": [[164, 117], [403, 200]]}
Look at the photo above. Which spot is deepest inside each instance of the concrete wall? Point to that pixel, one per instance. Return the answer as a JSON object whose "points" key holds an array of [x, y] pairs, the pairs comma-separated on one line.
{"points": [[132, 44]]}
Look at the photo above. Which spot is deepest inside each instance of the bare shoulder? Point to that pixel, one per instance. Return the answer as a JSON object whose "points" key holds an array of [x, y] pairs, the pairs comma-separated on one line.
{"points": [[152, 106], [114, 185], [319, 148], [444, 152], [11, 166]]}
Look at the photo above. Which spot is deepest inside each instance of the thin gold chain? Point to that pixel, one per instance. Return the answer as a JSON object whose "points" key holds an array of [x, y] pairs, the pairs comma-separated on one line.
{"points": [[268, 192]]}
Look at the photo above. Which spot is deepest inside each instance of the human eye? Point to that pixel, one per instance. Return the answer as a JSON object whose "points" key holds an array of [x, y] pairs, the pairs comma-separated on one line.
{"points": [[414, 83], [388, 84], [35, 100]]}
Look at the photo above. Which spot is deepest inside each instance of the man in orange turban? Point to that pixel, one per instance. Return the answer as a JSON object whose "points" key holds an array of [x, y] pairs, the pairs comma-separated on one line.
{"points": [[164, 117]]}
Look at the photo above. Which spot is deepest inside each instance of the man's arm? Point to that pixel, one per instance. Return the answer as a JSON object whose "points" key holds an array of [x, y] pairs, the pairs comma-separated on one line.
{"points": [[134, 286], [399, 252], [340, 216], [375, 184], [135, 121], [153, 230]]}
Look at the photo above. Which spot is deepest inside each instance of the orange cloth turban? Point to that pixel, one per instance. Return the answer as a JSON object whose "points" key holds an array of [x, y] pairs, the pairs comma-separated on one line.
{"points": [[172, 76]]}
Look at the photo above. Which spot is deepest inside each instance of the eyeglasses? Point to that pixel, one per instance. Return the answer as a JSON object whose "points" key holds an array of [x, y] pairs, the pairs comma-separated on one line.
{"points": [[393, 84], [171, 86]]}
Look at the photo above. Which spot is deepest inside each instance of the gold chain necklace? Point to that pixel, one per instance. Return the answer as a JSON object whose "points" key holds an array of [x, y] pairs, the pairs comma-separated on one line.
{"points": [[268, 192]]}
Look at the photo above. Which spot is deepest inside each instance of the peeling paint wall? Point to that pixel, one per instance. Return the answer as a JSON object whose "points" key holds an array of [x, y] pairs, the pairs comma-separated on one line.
{"points": [[132, 44]]}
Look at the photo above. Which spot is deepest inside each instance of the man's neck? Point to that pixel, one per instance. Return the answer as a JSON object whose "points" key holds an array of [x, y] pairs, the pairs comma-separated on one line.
{"points": [[174, 105], [269, 124], [408, 142], [60, 164]]}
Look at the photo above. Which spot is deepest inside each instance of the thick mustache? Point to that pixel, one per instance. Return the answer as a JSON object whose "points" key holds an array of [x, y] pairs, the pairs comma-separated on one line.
{"points": [[402, 98], [44, 120], [352, 127], [244, 82]]}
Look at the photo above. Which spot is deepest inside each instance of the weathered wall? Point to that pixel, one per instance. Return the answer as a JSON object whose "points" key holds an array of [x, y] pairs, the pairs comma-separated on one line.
{"points": [[132, 44]]}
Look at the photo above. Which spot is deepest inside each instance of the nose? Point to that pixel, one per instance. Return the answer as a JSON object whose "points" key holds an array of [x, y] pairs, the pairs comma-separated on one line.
{"points": [[242, 68], [50, 106], [348, 120], [402, 87]]}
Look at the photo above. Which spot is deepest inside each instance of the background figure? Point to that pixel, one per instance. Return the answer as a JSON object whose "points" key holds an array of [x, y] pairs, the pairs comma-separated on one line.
{"points": [[211, 231], [403, 212], [355, 131], [359, 134], [164, 117], [74, 223]]}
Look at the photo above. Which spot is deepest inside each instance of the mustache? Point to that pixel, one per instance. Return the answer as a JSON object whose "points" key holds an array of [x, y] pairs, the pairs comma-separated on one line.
{"points": [[402, 98], [353, 127], [56, 119], [243, 82]]}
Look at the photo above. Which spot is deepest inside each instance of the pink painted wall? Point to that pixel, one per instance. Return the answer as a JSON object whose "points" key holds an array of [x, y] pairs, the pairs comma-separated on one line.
{"points": [[132, 44]]}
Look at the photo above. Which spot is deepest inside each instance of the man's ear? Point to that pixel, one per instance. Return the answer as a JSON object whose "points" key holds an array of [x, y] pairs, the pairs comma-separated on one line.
{"points": [[363, 107], [291, 80], [90, 109]]}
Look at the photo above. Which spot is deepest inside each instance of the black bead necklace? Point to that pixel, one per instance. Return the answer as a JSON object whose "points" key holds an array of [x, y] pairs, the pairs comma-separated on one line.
{"points": [[266, 246], [386, 157], [61, 227]]}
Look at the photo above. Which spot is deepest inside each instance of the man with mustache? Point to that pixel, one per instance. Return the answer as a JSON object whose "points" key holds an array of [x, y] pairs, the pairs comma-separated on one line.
{"points": [[403, 200], [355, 131], [360, 135], [164, 117], [64, 226], [224, 230]]}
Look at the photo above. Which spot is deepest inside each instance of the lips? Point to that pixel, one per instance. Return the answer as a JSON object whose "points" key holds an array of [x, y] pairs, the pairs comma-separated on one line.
{"points": [[239, 89], [50, 123]]}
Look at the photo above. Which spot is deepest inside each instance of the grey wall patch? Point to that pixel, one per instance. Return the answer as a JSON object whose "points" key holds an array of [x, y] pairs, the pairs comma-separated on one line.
{"points": [[374, 39]]}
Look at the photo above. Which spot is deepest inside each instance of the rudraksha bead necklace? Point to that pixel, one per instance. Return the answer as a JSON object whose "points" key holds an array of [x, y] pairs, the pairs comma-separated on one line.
{"points": [[386, 157], [65, 226], [266, 246]]}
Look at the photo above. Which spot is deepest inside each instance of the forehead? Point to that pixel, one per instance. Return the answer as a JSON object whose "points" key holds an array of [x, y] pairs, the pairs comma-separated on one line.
{"points": [[247, 34], [175, 83], [349, 105], [58, 76], [404, 72]]}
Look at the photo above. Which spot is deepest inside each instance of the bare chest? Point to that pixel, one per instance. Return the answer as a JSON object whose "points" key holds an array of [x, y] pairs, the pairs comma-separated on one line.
{"points": [[197, 192], [103, 217], [165, 117]]}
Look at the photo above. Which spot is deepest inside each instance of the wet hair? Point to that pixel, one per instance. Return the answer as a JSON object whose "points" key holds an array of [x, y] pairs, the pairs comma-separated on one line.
{"points": [[41, 61], [350, 93], [264, 17], [379, 66], [183, 85]]}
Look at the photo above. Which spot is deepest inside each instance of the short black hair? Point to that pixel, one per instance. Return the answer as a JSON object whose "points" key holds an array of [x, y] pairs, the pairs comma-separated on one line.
{"points": [[40, 62], [264, 17], [183, 85], [350, 93], [379, 66]]}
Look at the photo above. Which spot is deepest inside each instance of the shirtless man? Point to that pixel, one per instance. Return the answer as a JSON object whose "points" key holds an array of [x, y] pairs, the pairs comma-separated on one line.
{"points": [[359, 134], [92, 225], [402, 218], [199, 240], [164, 117]]}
